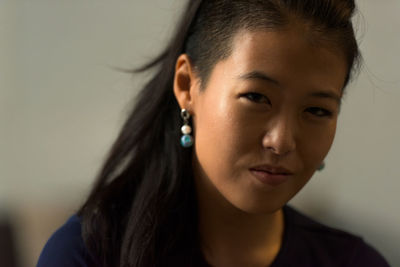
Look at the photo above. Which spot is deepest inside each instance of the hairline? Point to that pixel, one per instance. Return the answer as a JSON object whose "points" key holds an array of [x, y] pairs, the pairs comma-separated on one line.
{"points": [[311, 36]]}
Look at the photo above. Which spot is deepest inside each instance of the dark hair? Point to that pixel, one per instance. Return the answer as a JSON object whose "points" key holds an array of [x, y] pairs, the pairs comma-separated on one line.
{"points": [[142, 210]]}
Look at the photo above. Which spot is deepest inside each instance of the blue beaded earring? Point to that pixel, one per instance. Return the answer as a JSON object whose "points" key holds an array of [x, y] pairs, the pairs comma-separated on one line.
{"points": [[321, 167], [186, 139]]}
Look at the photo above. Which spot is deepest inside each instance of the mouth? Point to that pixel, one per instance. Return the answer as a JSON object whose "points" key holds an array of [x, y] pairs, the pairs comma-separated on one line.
{"points": [[271, 175]]}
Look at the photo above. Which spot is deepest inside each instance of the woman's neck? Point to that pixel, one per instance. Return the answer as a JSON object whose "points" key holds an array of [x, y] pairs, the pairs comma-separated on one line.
{"points": [[232, 237]]}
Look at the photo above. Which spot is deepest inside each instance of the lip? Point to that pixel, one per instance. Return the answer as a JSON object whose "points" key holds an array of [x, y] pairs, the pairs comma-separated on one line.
{"points": [[271, 175]]}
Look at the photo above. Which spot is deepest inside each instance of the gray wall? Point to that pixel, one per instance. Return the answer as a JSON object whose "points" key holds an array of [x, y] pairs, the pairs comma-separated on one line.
{"points": [[61, 104]]}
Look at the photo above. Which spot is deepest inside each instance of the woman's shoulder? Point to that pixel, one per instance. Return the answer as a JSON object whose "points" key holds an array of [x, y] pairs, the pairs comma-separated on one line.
{"points": [[66, 247], [315, 244]]}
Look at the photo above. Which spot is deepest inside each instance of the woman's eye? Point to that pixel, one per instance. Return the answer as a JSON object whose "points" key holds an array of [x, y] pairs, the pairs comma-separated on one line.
{"points": [[257, 98], [319, 112]]}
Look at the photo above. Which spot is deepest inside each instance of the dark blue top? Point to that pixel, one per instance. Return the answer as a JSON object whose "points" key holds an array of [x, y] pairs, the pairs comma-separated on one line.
{"points": [[305, 243], [66, 248]]}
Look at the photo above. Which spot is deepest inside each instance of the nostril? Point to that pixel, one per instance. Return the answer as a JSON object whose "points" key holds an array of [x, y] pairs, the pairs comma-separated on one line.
{"points": [[280, 138], [279, 146], [279, 151]]}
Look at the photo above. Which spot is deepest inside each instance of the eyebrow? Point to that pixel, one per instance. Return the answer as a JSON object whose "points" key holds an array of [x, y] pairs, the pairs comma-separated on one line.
{"points": [[327, 95], [257, 75]]}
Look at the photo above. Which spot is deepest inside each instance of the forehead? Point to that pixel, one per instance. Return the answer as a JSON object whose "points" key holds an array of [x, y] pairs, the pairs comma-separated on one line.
{"points": [[288, 56]]}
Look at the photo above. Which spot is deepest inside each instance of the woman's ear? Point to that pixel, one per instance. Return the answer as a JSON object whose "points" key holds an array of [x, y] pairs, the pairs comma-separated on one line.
{"points": [[185, 83]]}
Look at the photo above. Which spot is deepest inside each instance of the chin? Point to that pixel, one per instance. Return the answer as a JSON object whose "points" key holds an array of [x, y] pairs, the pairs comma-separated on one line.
{"points": [[260, 200], [259, 207]]}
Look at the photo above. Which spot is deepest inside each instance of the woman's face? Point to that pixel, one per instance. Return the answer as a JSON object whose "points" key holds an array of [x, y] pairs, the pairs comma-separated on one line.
{"points": [[266, 119]]}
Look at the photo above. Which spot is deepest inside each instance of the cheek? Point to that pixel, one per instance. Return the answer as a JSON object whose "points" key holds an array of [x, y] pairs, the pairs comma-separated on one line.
{"points": [[317, 146], [213, 136], [222, 138]]}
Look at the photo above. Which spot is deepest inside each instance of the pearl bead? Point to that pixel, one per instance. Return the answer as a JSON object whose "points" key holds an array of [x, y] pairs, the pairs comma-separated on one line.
{"points": [[186, 129]]}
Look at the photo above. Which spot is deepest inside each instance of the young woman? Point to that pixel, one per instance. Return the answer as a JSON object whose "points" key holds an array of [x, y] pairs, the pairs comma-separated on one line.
{"points": [[241, 112]]}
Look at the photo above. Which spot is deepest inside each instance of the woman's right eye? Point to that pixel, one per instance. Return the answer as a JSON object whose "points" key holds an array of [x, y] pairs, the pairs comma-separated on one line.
{"points": [[256, 98]]}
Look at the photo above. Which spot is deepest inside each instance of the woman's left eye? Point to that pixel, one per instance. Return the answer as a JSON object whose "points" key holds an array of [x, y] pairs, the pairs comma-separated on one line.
{"points": [[257, 98], [319, 112]]}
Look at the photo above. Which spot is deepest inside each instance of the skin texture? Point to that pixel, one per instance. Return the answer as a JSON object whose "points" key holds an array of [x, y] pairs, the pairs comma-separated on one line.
{"points": [[274, 101]]}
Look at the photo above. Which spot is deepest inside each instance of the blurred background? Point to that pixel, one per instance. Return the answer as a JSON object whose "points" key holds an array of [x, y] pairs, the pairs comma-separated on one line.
{"points": [[62, 102]]}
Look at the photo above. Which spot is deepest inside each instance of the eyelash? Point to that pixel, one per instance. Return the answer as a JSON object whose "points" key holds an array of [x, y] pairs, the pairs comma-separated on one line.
{"points": [[256, 98], [262, 99], [319, 112]]}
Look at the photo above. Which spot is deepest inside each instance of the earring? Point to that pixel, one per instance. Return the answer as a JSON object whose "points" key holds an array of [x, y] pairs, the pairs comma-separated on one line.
{"points": [[321, 167], [186, 139]]}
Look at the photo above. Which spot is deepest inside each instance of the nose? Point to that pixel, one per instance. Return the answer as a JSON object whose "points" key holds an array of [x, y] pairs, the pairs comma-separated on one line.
{"points": [[280, 136]]}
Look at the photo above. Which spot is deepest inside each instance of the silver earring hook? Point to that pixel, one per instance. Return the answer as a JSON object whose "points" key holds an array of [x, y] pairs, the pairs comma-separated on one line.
{"points": [[185, 115]]}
